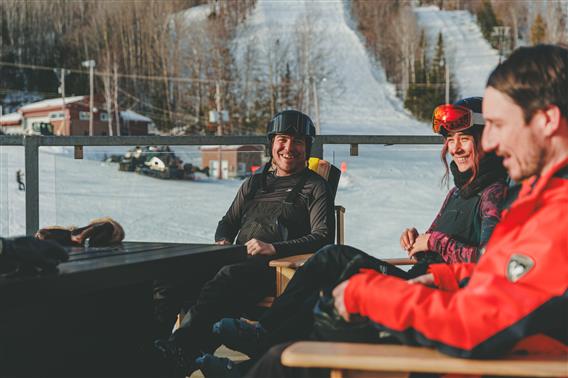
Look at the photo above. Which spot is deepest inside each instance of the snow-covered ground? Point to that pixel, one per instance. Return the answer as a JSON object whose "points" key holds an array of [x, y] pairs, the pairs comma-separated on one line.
{"points": [[385, 188], [470, 56]]}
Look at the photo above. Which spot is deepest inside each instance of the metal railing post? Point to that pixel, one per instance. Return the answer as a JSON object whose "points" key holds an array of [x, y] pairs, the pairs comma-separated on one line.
{"points": [[317, 148], [31, 151]]}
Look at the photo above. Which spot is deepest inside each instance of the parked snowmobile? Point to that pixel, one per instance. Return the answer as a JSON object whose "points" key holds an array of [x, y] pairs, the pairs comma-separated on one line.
{"points": [[133, 158], [159, 162]]}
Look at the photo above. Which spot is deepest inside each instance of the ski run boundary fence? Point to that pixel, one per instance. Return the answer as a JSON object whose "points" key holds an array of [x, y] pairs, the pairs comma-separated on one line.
{"points": [[32, 143]]}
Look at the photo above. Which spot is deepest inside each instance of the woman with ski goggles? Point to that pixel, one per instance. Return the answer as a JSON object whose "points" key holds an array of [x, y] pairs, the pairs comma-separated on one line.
{"points": [[479, 187]]}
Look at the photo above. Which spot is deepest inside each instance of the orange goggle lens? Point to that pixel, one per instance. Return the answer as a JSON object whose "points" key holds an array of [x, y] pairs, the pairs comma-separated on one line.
{"points": [[453, 118]]}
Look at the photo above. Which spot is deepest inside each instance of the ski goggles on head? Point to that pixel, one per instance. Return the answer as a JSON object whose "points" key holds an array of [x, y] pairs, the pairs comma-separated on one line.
{"points": [[454, 118]]}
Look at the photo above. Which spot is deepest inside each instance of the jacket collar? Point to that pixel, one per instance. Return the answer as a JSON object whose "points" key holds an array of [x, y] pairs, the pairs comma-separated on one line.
{"points": [[535, 185]]}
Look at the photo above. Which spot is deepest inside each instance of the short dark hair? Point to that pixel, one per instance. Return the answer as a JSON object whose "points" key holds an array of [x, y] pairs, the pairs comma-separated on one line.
{"points": [[534, 77]]}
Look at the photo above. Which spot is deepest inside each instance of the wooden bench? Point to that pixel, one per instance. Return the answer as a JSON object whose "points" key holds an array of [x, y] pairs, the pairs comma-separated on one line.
{"points": [[373, 360]]}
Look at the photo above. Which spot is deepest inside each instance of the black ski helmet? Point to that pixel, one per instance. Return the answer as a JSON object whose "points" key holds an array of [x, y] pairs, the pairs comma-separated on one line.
{"points": [[291, 122], [473, 104]]}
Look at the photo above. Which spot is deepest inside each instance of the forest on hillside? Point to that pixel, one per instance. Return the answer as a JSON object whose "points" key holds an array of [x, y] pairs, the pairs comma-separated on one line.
{"points": [[393, 35], [158, 58]]}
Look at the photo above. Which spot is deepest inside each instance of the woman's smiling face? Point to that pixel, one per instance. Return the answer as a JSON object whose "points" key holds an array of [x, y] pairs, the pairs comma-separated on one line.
{"points": [[462, 149]]}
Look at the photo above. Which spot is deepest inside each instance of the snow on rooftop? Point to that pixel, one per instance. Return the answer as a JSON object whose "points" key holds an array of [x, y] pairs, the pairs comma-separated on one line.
{"points": [[129, 115], [12, 117], [51, 103], [470, 56]]}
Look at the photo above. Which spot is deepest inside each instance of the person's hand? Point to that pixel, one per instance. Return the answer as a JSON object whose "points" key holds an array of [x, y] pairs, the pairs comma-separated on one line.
{"points": [[26, 250], [339, 300], [223, 242], [420, 245], [257, 247], [425, 279], [407, 238]]}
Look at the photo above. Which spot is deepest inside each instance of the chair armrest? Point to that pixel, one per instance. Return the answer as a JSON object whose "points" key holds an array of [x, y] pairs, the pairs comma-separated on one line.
{"points": [[401, 358], [400, 261], [293, 262]]}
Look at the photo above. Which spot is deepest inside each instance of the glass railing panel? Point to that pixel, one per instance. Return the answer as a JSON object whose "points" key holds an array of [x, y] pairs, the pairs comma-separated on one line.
{"points": [[386, 189], [155, 193], [12, 191]]}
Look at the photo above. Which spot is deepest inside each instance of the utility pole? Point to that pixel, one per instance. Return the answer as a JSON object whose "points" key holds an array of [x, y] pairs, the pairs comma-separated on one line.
{"points": [[219, 126], [447, 82], [91, 64], [316, 105], [61, 73], [65, 132]]}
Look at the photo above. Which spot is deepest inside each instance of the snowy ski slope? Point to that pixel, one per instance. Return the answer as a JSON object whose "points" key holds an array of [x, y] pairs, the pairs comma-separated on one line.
{"points": [[367, 103], [470, 56]]}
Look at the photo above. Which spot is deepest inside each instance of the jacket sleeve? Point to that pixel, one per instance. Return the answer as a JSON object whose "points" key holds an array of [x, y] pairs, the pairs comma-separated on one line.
{"points": [[228, 227], [449, 276], [452, 250], [322, 224], [484, 319]]}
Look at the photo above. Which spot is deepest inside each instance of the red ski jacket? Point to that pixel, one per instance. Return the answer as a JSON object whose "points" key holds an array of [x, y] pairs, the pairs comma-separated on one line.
{"points": [[516, 297]]}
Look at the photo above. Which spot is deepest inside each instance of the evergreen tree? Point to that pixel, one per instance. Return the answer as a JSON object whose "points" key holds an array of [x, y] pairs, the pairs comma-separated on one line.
{"points": [[487, 19], [428, 90], [538, 30]]}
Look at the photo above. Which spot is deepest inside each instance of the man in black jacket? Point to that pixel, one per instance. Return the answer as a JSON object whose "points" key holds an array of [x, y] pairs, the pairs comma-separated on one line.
{"points": [[285, 210]]}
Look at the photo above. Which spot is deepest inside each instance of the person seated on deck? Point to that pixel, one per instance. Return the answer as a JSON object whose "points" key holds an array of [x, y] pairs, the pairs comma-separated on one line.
{"points": [[515, 298], [285, 210], [458, 233], [27, 255]]}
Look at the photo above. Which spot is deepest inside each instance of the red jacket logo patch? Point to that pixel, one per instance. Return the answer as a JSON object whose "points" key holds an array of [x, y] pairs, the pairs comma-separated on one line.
{"points": [[518, 266]]}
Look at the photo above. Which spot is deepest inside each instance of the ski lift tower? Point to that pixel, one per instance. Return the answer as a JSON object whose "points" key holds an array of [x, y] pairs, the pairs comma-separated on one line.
{"points": [[500, 35]]}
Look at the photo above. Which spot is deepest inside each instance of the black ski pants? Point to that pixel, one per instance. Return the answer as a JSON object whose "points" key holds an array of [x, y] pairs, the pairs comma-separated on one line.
{"points": [[290, 317], [234, 289]]}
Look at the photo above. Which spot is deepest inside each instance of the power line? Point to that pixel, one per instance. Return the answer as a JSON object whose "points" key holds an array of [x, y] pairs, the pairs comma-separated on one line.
{"points": [[129, 76]]}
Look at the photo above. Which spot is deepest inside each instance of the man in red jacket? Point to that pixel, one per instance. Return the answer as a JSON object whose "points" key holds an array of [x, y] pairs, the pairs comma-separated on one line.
{"points": [[516, 296]]}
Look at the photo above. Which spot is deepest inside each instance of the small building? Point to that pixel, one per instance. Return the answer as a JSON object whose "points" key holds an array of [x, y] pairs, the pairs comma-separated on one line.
{"points": [[70, 117], [132, 123], [236, 161]]}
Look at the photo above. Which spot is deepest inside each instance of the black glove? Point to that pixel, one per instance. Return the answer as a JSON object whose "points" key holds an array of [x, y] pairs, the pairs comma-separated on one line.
{"points": [[26, 251]]}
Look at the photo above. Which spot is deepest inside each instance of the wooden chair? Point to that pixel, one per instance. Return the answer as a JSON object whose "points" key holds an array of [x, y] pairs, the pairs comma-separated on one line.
{"points": [[374, 360]]}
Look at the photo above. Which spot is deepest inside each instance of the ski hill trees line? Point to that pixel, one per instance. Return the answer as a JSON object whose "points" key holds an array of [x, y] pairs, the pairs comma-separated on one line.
{"points": [[173, 61], [394, 37], [161, 59]]}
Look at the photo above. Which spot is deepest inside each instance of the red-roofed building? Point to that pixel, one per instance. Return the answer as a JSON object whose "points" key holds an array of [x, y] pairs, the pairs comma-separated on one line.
{"points": [[70, 117]]}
